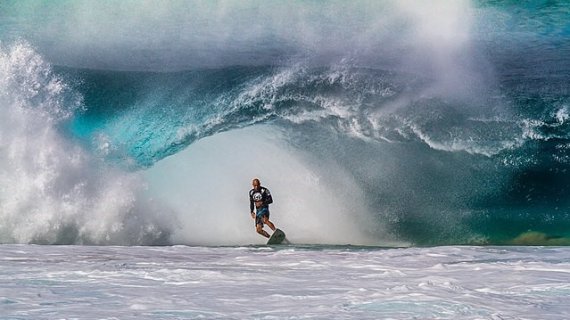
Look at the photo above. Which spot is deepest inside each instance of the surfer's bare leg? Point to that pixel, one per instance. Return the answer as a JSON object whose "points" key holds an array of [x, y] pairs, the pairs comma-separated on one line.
{"points": [[259, 229], [269, 223]]}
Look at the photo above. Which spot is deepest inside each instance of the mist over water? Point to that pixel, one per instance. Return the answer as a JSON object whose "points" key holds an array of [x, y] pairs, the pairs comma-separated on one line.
{"points": [[313, 205], [385, 123]]}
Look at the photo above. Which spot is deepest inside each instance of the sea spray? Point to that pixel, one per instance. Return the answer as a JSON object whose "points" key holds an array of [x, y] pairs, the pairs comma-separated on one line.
{"points": [[54, 191]]}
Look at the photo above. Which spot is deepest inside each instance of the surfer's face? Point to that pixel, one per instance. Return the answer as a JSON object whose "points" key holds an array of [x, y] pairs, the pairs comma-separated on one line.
{"points": [[255, 184]]}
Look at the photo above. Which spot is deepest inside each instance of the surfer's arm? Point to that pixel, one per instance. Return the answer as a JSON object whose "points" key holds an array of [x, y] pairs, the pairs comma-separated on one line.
{"points": [[250, 203]]}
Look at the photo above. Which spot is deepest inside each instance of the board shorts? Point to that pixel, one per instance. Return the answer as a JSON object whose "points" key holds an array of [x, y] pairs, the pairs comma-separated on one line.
{"points": [[259, 214]]}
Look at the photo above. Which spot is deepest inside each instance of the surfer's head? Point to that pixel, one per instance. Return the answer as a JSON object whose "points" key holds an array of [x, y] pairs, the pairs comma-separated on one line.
{"points": [[255, 183]]}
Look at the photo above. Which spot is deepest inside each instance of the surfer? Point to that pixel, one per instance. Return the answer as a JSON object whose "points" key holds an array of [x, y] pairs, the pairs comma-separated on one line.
{"points": [[260, 198]]}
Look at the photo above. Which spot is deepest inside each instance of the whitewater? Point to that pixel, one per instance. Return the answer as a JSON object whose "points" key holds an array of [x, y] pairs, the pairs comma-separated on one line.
{"points": [[417, 153], [311, 282]]}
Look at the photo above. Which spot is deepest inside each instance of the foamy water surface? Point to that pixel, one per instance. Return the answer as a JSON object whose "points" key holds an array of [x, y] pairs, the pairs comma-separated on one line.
{"points": [[297, 282]]}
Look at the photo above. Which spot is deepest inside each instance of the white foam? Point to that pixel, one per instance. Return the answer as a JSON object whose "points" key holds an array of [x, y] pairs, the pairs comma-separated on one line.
{"points": [[468, 144], [331, 283], [52, 190], [562, 114]]}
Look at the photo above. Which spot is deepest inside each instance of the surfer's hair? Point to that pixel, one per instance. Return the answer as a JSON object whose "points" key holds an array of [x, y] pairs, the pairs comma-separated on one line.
{"points": [[256, 181]]}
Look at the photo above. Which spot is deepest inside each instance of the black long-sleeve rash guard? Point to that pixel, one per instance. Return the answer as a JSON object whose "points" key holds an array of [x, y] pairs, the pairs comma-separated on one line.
{"points": [[262, 194]]}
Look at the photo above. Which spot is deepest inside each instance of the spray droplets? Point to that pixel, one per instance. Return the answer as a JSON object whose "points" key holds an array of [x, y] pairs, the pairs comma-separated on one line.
{"points": [[28, 82], [51, 189]]}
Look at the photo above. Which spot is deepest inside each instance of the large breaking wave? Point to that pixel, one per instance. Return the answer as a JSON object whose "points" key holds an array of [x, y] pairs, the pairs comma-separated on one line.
{"points": [[386, 123]]}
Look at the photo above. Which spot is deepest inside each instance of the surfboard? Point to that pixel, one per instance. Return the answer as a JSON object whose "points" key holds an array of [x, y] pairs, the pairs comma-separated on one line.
{"points": [[277, 237]]}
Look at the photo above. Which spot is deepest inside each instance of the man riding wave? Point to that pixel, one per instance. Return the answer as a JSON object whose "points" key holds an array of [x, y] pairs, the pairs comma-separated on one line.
{"points": [[260, 199]]}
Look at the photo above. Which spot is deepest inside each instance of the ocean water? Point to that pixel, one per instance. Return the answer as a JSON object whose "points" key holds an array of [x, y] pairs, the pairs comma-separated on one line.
{"points": [[418, 154], [283, 282], [396, 122]]}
